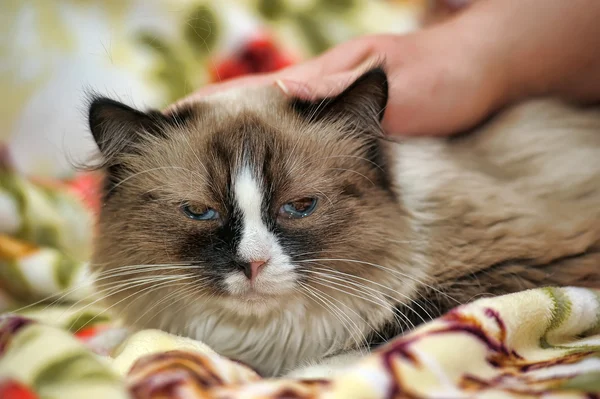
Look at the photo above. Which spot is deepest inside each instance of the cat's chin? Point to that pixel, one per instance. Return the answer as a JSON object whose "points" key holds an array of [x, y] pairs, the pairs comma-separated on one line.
{"points": [[255, 304], [265, 287], [259, 299]]}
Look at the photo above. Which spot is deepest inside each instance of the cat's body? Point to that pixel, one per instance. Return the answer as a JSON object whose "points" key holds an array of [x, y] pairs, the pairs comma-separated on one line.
{"points": [[401, 232]]}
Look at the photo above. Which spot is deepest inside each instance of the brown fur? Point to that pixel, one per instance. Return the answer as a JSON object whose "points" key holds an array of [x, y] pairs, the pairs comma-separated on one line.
{"points": [[516, 205], [195, 165], [433, 223]]}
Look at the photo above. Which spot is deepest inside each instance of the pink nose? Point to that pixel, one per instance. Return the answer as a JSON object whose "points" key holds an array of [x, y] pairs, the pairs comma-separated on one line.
{"points": [[255, 267]]}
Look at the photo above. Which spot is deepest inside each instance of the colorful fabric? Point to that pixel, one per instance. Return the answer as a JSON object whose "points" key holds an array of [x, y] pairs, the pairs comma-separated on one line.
{"points": [[58, 341], [150, 53], [539, 343]]}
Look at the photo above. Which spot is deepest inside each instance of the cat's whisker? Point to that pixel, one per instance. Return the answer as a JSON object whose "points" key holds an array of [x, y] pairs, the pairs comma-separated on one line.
{"points": [[127, 285], [171, 283], [53, 298], [310, 163], [366, 296], [360, 339], [355, 172], [387, 269], [61, 295], [140, 273], [129, 281], [364, 289], [190, 293], [395, 292], [323, 304], [315, 252], [142, 266], [176, 293], [395, 315], [336, 311], [107, 288], [326, 100], [140, 293], [410, 300], [295, 160], [138, 270], [383, 304], [307, 292], [324, 195], [355, 157], [96, 289], [208, 182], [186, 293], [187, 142]]}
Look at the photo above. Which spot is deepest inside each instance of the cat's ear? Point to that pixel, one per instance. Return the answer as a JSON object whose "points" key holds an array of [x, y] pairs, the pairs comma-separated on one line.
{"points": [[360, 108], [362, 102], [117, 127]]}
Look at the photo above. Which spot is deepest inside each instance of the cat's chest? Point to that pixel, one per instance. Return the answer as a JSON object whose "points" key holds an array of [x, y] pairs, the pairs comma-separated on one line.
{"points": [[271, 347]]}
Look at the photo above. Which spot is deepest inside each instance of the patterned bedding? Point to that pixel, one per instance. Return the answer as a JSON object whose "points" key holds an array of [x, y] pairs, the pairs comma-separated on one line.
{"points": [[59, 342], [56, 338]]}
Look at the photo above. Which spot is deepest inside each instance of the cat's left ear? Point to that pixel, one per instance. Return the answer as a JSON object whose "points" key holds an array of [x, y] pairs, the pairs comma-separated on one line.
{"points": [[363, 102]]}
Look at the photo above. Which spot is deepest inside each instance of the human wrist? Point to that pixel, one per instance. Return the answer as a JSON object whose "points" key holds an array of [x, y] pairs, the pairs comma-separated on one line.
{"points": [[554, 56], [489, 43], [474, 41]]}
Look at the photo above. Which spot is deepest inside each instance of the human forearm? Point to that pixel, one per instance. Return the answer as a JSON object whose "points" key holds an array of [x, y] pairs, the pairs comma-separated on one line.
{"points": [[541, 47]]}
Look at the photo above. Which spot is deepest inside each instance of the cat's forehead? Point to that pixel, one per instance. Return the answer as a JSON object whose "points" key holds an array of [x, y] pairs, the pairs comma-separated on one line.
{"points": [[245, 137], [227, 104], [250, 119], [202, 141], [204, 154], [253, 125]]}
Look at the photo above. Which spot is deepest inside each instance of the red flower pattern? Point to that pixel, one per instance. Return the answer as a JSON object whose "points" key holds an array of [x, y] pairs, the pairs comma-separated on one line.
{"points": [[259, 55], [11, 389]]}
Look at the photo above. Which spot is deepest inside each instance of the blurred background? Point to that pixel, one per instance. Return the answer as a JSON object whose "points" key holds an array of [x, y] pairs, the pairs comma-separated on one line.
{"points": [[149, 53]]}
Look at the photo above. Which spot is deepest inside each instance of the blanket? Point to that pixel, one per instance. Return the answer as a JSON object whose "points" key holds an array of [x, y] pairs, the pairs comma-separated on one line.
{"points": [[58, 341], [149, 53]]}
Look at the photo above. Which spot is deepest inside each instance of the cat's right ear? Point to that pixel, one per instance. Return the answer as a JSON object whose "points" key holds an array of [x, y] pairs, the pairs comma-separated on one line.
{"points": [[117, 127], [361, 105]]}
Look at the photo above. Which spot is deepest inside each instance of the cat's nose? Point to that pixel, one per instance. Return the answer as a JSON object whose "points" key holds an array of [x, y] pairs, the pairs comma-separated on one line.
{"points": [[252, 268]]}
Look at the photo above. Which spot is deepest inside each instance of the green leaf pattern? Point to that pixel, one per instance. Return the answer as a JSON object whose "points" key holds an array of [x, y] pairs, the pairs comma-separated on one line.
{"points": [[538, 343]]}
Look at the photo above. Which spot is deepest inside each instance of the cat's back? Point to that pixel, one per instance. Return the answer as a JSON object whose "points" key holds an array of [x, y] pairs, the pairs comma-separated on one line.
{"points": [[522, 189], [543, 149]]}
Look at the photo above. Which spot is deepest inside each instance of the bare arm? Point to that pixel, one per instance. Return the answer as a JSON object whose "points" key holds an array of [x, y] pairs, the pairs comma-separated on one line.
{"points": [[448, 77], [546, 47]]}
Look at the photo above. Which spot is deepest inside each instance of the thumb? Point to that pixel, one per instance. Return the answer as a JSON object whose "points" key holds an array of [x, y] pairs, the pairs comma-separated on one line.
{"points": [[318, 88]]}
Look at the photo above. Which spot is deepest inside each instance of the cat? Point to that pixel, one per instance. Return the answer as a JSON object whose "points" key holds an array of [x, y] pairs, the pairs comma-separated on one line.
{"points": [[294, 235]]}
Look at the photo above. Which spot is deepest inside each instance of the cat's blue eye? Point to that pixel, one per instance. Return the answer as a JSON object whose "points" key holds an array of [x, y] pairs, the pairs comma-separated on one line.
{"points": [[199, 213], [298, 209]]}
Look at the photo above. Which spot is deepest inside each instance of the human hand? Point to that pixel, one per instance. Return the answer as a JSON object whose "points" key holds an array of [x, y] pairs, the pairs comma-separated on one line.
{"points": [[448, 77], [434, 88]]}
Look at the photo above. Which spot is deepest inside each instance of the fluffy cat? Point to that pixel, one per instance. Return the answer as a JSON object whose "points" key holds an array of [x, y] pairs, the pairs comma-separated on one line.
{"points": [[285, 233]]}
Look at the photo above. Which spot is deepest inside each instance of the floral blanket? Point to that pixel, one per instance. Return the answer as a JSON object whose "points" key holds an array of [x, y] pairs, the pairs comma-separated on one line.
{"points": [[149, 53], [58, 342]]}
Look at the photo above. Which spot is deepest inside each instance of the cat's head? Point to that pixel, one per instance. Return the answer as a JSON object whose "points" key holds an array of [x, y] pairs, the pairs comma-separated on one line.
{"points": [[247, 200]]}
